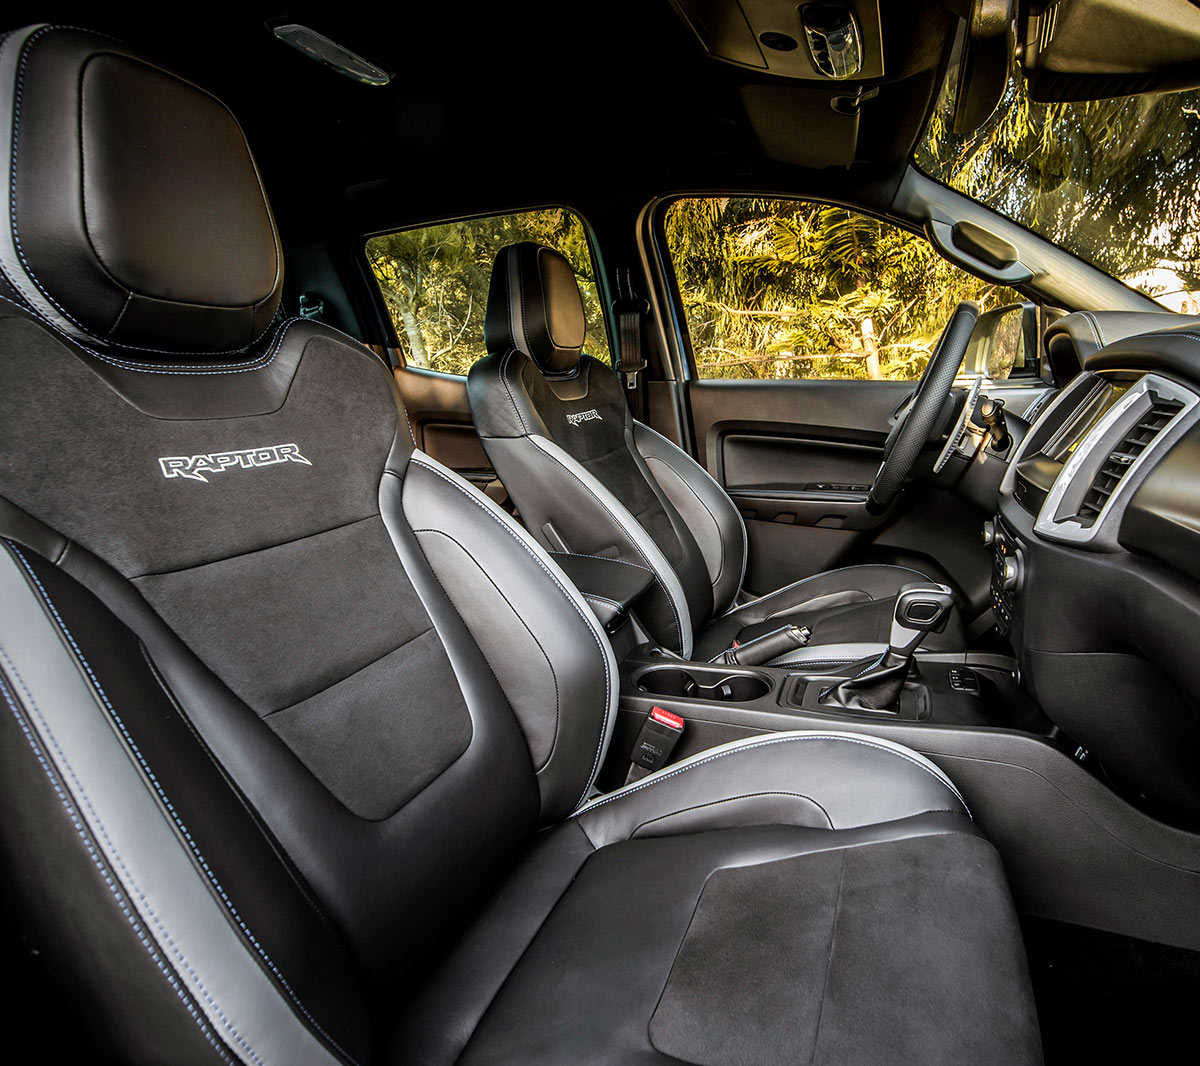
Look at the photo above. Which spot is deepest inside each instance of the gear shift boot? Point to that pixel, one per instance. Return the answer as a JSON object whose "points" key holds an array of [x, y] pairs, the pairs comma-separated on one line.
{"points": [[875, 684]]}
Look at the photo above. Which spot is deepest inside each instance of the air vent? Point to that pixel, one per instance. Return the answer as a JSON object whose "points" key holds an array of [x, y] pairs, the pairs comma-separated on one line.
{"points": [[1136, 441]]}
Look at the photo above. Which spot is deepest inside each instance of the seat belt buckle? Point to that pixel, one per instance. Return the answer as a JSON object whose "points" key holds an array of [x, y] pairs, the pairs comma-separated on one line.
{"points": [[629, 372], [660, 733]]}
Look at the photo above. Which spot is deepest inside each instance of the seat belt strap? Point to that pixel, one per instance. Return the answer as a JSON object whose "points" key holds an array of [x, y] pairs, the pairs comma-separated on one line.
{"points": [[630, 310]]}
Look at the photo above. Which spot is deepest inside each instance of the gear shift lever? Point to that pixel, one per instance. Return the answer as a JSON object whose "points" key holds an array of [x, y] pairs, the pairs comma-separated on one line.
{"points": [[875, 684]]}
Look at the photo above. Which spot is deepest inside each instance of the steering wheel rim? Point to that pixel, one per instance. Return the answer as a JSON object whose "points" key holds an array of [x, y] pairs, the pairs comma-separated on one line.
{"points": [[914, 429]]}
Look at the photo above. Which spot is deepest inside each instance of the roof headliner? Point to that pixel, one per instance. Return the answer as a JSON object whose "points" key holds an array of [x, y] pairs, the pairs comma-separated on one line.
{"points": [[493, 106]]}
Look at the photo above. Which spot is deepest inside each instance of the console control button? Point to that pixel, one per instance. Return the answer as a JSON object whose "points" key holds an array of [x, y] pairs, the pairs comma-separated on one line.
{"points": [[963, 680]]}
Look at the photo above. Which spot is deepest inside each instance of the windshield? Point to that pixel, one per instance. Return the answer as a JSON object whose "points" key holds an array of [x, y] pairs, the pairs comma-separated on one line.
{"points": [[1116, 182]]}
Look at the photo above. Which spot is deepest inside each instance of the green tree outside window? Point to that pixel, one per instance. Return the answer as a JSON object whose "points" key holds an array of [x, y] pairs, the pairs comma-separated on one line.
{"points": [[434, 281], [789, 289]]}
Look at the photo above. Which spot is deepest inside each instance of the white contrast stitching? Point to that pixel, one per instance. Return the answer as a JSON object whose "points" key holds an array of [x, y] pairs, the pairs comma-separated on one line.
{"points": [[784, 661], [117, 894], [170, 807], [602, 558], [588, 618], [98, 825], [504, 361], [259, 362], [752, 642], [601, 599], [659, 778]]}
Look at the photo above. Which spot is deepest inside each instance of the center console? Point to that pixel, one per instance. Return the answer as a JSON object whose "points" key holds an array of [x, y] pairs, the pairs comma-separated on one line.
{"points": [[1074, 847], [720, 703]]}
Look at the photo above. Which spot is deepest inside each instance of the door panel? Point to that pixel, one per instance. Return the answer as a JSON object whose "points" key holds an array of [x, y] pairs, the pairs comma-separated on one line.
{"points": [[797, 457], [440, 417], [750, 462], [832, 412], [791, 454]]}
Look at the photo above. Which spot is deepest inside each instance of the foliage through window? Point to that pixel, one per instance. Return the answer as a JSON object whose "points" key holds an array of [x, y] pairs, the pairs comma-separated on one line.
{"points": [[434, 281], [788, 289], [1113, 181]]}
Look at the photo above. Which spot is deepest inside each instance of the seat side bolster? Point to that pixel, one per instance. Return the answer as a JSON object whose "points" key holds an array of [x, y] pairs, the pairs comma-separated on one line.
{"points": [[711, 515], [596, 512], [824, 780], [500, 405], [539, 636], [155, 873]]}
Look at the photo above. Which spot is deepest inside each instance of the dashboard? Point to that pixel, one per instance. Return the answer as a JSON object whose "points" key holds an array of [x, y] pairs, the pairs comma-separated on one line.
{"points": [[1096, 564]]}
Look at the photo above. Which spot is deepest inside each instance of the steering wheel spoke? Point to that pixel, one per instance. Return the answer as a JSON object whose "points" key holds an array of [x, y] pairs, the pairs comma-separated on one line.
{"points": [[960, 426]]}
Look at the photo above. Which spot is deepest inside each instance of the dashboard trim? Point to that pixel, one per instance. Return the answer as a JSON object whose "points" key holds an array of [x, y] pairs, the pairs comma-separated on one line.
{"points": [[1099, 439]]}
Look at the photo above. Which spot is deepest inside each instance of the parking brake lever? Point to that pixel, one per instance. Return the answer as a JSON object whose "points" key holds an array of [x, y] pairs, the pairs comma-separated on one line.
{"points": [[921, 608], [765, 648]]}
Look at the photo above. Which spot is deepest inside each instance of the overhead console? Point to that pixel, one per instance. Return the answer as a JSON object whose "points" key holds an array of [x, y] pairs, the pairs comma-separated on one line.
{"points": [[816, 41]]}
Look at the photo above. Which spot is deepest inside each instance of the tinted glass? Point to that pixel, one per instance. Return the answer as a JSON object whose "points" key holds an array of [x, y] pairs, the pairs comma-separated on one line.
{"points": [[434, 281]]}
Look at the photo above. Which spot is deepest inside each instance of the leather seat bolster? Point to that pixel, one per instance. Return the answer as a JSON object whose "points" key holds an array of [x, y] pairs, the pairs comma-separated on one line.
{"points": [[200, 883], [500, 404], [594, 523], [714, 521], [796, 778], [540, 638]]}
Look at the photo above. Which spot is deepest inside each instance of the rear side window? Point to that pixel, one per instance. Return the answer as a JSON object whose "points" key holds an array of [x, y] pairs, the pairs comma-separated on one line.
{"points": [[434, 281]]}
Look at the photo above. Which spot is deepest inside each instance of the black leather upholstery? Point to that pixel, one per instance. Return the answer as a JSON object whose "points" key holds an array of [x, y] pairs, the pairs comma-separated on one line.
{"points": [[147, 229], [1074, 338], [534, 305], [586, 478], [282, 708]]}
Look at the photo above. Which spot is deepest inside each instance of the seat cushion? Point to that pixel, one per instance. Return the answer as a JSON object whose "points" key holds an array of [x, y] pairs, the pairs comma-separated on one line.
{"points": [[853, 604], [699, 917]]}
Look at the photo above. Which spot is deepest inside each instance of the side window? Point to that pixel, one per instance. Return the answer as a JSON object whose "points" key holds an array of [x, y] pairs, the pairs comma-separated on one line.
{"points": [[434, 281], [788, 289]]}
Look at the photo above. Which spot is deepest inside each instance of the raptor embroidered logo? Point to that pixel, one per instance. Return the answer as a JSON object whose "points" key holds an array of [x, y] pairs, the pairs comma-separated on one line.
{"points": [[198, 467], [584, 416]]}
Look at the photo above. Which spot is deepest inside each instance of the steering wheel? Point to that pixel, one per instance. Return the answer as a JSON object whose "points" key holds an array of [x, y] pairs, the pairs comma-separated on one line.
{"points": [[916, 427]]}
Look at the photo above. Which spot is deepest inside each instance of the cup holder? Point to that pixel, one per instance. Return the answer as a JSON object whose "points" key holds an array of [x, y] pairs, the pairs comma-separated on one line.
{"points": [[703, 685]]}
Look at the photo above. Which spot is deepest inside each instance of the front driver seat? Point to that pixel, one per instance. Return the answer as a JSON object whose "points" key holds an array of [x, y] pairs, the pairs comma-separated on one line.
{"points": [[298, 731], [587, 478]]}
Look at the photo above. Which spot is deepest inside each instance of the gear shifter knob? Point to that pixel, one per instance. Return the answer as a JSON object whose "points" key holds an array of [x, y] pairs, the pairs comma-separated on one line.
{"points": [[920, 608]]}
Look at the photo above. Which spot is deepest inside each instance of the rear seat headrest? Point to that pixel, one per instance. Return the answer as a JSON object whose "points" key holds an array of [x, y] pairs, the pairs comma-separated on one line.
{"points": [[135, 216], [534, 306]]}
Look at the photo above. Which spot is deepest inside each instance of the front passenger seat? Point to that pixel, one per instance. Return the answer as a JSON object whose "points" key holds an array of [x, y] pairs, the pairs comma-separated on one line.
{"points": [[299, 732], [589, 479]]}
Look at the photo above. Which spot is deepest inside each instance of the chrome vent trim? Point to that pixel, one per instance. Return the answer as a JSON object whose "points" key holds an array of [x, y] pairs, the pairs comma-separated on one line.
{"points": [[1120, 461], [1097, 477]]}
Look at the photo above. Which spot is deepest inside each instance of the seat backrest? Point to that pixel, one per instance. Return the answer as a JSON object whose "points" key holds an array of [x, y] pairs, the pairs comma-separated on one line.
{"points": [[282, 698], [584, 475]]}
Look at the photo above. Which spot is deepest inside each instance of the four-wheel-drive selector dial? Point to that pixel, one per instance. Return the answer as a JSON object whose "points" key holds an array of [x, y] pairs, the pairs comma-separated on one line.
{"points": [[1011, 572]]}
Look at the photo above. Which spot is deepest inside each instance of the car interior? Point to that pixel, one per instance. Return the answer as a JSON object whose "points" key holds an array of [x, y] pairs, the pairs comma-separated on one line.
{"points": [[659, 533]]}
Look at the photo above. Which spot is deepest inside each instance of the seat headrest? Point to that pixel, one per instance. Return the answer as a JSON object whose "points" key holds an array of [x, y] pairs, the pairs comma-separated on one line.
{"points": [[534, 306], [135, 216]]}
